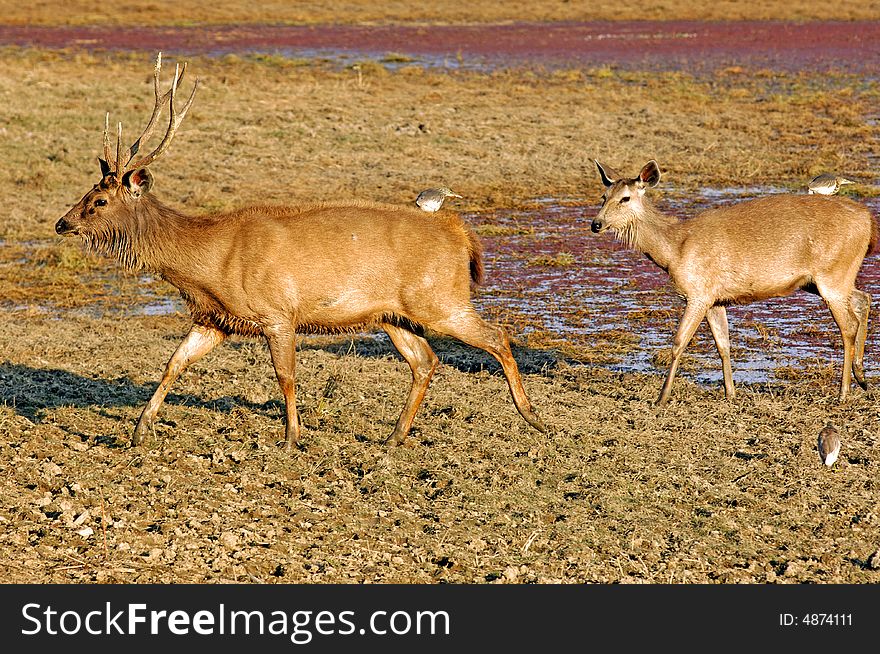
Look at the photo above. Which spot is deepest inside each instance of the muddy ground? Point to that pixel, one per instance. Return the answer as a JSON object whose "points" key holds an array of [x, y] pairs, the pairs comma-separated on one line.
{"points": [[652, 45]]}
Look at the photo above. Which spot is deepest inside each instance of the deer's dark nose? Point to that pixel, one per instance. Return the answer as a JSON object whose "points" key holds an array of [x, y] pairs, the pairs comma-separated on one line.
{"points": [[61, 227], [597, 226]]}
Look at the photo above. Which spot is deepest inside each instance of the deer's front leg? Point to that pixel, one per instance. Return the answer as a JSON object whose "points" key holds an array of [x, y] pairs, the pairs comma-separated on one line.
{"points": [[282, 347], [195, 345], [693, 315]]}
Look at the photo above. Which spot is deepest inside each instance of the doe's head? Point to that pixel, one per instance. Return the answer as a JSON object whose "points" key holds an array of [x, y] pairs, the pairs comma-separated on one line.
{"points": [[622, 202]]}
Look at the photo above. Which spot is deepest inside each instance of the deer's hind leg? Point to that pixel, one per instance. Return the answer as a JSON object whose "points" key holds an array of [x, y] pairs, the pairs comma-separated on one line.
{"points": [[467, 326], [860, 307], [422, 362], [848, 324]]}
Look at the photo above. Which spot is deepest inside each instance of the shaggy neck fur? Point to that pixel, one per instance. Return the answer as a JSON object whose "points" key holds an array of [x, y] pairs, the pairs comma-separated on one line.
{"points": [[652, 232], [147, 237]]}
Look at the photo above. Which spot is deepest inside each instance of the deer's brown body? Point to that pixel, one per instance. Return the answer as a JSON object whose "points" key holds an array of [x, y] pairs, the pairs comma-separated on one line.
{"points": [[321, 267], [753, 250], [277, 271]]}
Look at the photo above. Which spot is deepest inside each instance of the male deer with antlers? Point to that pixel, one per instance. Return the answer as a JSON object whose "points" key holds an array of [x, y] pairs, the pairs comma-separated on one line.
{"points": [[278, 271], [753, 250]]}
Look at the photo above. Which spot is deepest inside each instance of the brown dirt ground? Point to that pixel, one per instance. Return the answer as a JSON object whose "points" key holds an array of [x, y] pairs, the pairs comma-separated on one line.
{"points": [[702, 491]]}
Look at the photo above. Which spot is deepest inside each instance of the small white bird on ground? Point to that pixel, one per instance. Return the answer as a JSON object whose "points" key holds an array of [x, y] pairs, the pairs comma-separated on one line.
{"points": [[829, 445], [431, 199], [827, 184]]}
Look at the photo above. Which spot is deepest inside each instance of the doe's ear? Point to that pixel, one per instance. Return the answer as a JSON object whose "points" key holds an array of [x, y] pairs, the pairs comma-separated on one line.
{"points": [[650, 174], [138, 181], [608, 174]]}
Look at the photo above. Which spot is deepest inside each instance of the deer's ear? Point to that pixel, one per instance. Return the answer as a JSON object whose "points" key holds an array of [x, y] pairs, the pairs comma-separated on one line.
{"points": [[105, 167], [650, 174], [608, 174], [137, 181]]}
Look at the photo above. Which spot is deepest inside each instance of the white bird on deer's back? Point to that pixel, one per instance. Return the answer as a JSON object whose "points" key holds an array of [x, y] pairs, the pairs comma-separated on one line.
{"points": [[431, 199], [752, 250], [827, 184]]}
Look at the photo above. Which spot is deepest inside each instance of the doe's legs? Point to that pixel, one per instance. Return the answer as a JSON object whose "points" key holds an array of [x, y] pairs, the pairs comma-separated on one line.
{"points": [[848, 324], [717, 319], [860, 306], [693, 315]]}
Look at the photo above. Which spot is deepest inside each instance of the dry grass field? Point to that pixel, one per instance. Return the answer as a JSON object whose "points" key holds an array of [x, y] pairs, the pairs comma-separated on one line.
{"points": [[264, 128], [166, 12], [703, 491]]}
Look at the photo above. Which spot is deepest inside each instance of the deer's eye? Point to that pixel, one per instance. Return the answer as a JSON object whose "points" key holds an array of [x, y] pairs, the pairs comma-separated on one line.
{"points": [[625, 198], [100, 202]]}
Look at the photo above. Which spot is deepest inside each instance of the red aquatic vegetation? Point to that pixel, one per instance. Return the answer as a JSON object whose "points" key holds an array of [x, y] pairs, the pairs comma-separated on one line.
{"points": [[664, 44]]}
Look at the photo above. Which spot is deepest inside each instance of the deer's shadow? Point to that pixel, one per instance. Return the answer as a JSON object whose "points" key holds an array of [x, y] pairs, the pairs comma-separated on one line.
{"points": [[451, 352], [34, 392]]}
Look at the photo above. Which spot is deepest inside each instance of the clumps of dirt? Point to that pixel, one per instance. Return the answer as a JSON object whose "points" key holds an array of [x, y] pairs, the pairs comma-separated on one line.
{"points": [[703, 491]]}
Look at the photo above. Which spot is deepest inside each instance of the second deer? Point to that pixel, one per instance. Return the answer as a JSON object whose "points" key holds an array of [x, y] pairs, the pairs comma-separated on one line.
{"points": [[752, 250]]}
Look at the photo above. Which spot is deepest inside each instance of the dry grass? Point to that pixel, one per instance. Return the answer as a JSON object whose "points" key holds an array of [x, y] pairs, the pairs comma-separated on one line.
{"points": [[273, 131], [166, 12]]}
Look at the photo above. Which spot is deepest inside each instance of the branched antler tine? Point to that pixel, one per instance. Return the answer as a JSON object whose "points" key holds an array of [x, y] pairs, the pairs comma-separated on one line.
{"points": [[173, 122], [157, 109], [182, 73], [108, 157]]}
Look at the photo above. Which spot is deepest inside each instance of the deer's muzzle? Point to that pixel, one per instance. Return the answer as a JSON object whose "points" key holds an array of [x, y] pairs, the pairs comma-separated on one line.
{"points": [[63, 227], [597, 226]]}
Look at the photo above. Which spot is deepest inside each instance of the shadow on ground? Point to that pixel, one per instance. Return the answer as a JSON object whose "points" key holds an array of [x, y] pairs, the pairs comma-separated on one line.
{"points": [[32, 392]]}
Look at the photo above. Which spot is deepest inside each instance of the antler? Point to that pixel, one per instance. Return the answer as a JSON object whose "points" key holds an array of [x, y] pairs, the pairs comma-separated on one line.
{"points": [[117, 164], [173, 123], [108, 158]]}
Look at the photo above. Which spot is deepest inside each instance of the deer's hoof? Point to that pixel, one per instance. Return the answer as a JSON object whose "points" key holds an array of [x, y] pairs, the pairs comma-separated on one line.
{"points": [[140, 434], [396, 439], [537, 423], [860, 379]]}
